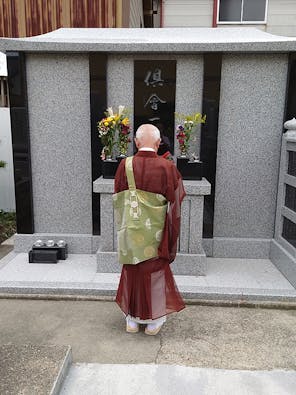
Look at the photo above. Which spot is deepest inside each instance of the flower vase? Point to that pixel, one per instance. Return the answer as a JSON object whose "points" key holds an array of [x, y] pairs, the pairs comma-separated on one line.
{"points": [[123, 147], [190, 170], [121, 155], [109, 167], [183, 152]]}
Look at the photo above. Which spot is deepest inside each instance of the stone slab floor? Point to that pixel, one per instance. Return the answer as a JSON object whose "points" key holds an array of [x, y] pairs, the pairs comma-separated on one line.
{"points": [[226, 277], [146, 379]]}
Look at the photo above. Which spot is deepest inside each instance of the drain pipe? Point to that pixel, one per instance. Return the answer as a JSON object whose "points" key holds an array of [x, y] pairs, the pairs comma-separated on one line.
{"points": [[161, 13], [215, 10]]}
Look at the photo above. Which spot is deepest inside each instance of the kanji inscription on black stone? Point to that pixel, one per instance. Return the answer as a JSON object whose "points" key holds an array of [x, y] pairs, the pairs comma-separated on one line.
{"points": [[154, 98]]}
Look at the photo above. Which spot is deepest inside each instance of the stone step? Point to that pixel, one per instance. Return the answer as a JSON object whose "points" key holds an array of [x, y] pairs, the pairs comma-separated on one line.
{"points": [[33, 369], [106, 288], [227, 279], [147, 379]]}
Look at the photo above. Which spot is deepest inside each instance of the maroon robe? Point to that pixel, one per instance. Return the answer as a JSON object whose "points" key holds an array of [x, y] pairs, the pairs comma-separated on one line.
{"points": [[148, 290]]}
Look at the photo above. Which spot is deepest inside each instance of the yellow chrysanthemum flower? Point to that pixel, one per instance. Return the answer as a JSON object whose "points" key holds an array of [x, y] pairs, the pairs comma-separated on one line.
{"points": [[125, 121]]}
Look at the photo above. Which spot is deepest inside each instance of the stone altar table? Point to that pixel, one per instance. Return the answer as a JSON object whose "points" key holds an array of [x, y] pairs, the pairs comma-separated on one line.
{"points": [[191, 258]]}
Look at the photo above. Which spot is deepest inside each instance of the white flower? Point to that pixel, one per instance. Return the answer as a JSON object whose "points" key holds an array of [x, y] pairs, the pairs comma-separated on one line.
{"points": [[120, 110], [110, 111]]}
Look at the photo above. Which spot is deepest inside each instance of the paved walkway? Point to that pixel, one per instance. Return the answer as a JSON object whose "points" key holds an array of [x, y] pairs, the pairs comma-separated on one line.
{"points": [[95, 379], [205, 350], [199, 336], [194, 343]]}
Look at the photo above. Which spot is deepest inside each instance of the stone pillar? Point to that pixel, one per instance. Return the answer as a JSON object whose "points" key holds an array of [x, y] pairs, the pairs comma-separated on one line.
{"points": [[252, 103], [60, 140]]}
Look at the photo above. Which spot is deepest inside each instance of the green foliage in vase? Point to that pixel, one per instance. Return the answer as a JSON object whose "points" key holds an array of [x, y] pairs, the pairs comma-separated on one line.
{"points": [[184, 129]]}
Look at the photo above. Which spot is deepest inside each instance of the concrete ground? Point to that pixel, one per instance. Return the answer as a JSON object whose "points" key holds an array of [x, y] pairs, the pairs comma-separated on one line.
{"points": [[204, 350], [5, 249], [32, 369], [201, 336]]}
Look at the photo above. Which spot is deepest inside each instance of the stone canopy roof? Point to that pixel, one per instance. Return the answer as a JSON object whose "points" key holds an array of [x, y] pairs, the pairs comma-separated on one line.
{"points": [[190, 40]]}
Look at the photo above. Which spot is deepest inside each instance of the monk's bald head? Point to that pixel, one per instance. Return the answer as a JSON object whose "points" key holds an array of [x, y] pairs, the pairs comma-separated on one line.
{"points": [[147, 135]]}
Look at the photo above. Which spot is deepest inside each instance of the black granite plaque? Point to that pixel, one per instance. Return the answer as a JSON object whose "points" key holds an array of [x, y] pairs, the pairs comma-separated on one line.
{"points": [[289, 231], [154, 98], [290, 199], [291, 88], [98, 105], [209, 134], [292, 163], [20, 142]]}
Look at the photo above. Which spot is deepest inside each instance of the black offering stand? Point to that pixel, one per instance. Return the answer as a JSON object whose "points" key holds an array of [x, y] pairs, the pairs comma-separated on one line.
{"points": [[190, 169], [109, 167], [48, 254]]}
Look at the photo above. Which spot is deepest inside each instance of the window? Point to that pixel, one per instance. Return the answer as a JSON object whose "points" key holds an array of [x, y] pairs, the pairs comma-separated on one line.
{"points": [[242, 11]]}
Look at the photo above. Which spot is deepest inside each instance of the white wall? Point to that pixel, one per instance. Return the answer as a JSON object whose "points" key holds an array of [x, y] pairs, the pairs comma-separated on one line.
{"points": [[281, 15], [3, 65], [136, 13], [187, 13], [7, 196]]}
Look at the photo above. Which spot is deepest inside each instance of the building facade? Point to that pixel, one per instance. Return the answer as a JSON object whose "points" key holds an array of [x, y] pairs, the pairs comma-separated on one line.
{"points": [[25, 18], [272, 16]]}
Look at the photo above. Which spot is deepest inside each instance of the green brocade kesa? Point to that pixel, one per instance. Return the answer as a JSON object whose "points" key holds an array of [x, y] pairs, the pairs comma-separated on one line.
{"points": [[140, 218]]}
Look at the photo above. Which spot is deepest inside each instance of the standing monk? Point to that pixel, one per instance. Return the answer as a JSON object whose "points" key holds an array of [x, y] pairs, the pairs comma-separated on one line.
{"points": [[147, 291]]}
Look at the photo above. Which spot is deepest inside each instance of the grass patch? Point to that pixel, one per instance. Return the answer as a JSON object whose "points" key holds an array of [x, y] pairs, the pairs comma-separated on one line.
{"points": [[7, 225]]}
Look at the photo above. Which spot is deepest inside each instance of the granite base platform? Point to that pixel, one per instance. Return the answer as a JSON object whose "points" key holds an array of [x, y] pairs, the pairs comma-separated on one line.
{"points": [[283, 261], [184, 264]]}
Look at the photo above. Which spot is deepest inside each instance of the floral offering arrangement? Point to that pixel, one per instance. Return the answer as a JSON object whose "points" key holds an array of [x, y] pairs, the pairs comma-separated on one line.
{"points": [[112, 126], [124, 130], [187, 123]]}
